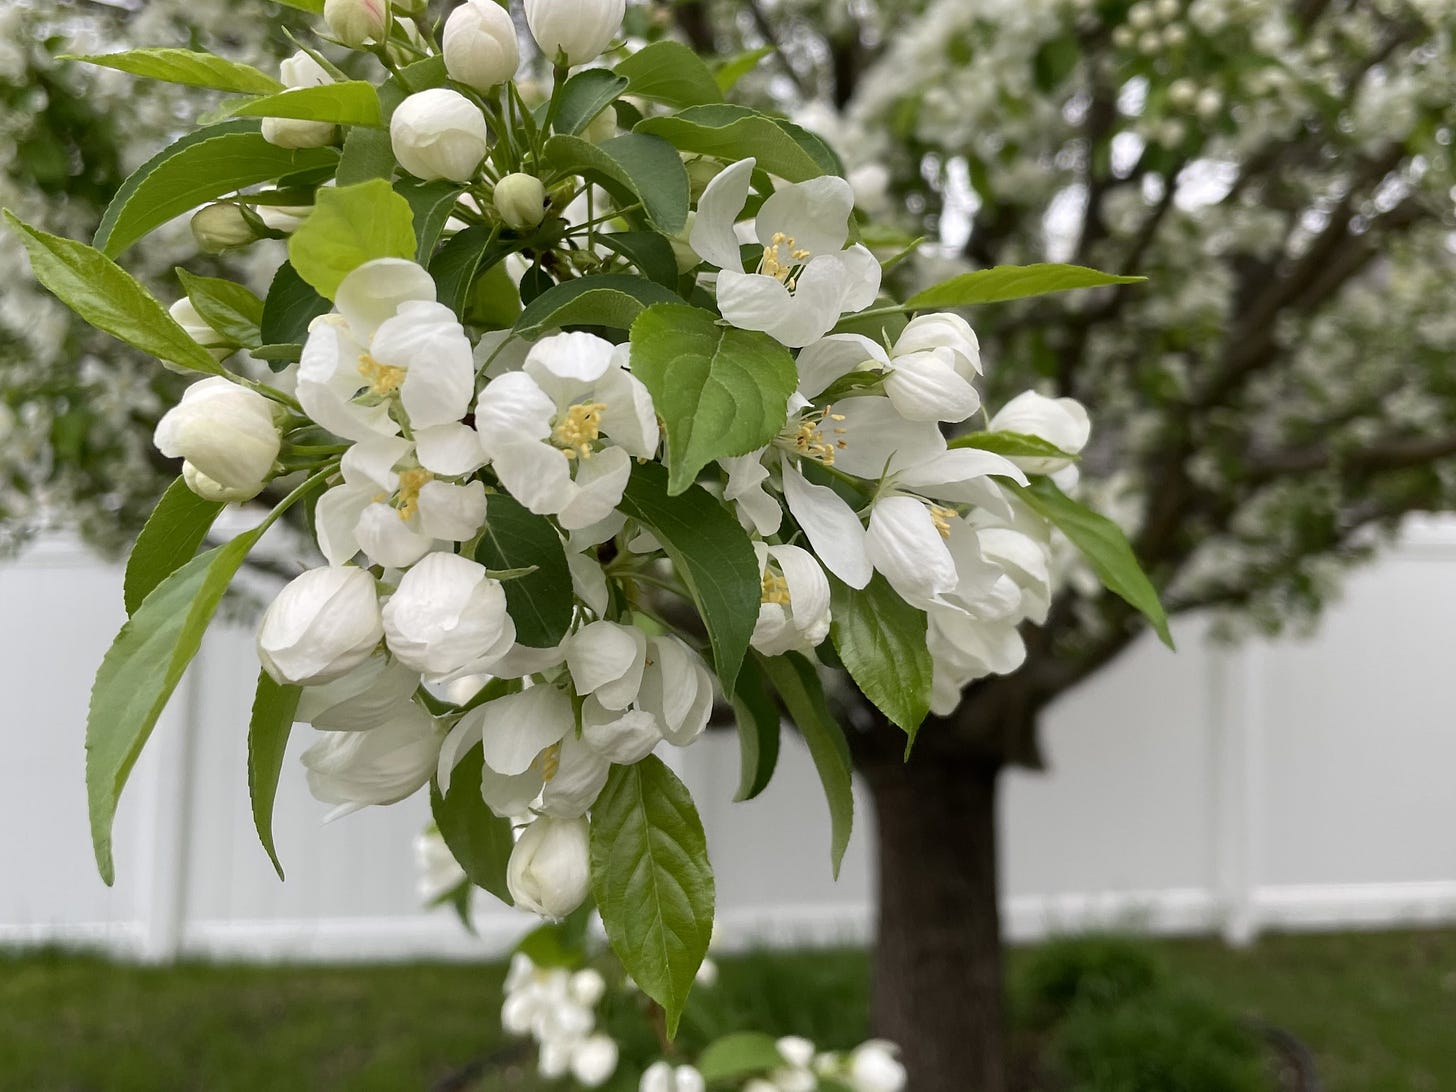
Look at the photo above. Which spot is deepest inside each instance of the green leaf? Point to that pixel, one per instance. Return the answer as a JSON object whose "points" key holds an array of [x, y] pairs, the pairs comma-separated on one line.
{"points": [[431, 203], [269, 727], [351, 225], [455, 266], [314, 7], [739, 1055], [633, 167], [720, 391], [109, 298], [354, 102], [670, 73], [651, 880], [736, 132], [803, 696], [757, 718], [226, 306], [367, 154], [541, 602], [712, 556], [1012, 444], [479, 839], [187, 67], [202, 166], [494, 303], [735, 68], [1011, 282], [289, 308], [559, 943], [648, 251], [139, 674], [584, 96], [611, 299], [168, 540], [1103, 544], [880, 639]]}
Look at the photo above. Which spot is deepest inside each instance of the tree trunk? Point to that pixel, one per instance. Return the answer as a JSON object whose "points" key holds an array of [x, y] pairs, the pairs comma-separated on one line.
{"points": [[938, 971]]}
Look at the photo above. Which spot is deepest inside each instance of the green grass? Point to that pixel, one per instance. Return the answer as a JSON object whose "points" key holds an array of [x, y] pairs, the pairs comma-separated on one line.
{"points": [[1378, 1010]]}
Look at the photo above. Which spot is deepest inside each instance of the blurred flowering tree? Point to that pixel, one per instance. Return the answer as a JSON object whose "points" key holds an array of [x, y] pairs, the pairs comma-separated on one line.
{"points": [[1273, 402], [76, 408]]}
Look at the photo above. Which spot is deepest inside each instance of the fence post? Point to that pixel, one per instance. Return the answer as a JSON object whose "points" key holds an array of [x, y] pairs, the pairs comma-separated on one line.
{"points": [[1236, 713]]}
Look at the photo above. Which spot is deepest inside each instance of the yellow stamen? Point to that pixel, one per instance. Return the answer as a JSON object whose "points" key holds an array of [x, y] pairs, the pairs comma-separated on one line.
{"points": [[410, 484], [781, 268], [809, 439], [383, 378], [578, 429], [775, 588], [548, 762], [941, 517]]}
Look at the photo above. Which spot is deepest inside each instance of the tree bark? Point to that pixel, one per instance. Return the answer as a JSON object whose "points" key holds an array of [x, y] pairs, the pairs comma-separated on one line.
{"points": [[938, 971]]}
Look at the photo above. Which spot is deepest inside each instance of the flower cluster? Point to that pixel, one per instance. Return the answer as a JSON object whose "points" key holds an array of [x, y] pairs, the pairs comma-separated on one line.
{"points": [[439, 428], [556, 1008]]}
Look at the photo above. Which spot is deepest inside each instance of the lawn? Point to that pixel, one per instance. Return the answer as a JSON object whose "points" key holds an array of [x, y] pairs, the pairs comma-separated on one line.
{"points": [[1378, 1010]]}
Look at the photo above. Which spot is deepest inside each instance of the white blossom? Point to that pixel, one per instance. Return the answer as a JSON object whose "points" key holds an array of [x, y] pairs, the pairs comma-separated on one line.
{"points": [[548, 872], [480, 46], [579, 29], [806, 278], [560, 434], [225, 431], [794, 613], [448, 617], [322, 625], [439, 133]]}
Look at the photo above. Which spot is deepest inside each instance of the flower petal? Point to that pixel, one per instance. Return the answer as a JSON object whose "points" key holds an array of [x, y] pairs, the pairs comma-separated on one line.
{"points": [[600, 481], [712, 237], [517, 727], [831, 527], [815, 214], [829, 358], [452, 512], [373, 292], [904, 545], [925, 386], [450, 450]]}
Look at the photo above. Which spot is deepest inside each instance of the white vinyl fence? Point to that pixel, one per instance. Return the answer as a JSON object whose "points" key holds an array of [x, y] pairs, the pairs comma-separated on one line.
{"points": [[1296, 785]]}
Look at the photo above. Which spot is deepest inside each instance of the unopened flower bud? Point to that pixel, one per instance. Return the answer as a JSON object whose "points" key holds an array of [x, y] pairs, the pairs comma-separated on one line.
{"points": [[481, 48], [1062, 422], [323, 624], [549, 871], [221, 226], [602, 127], [185, 314], [521, 201], [210, 490], [225, 431], [439, 133], [300, 70], [579, 29], [357, 22]]}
